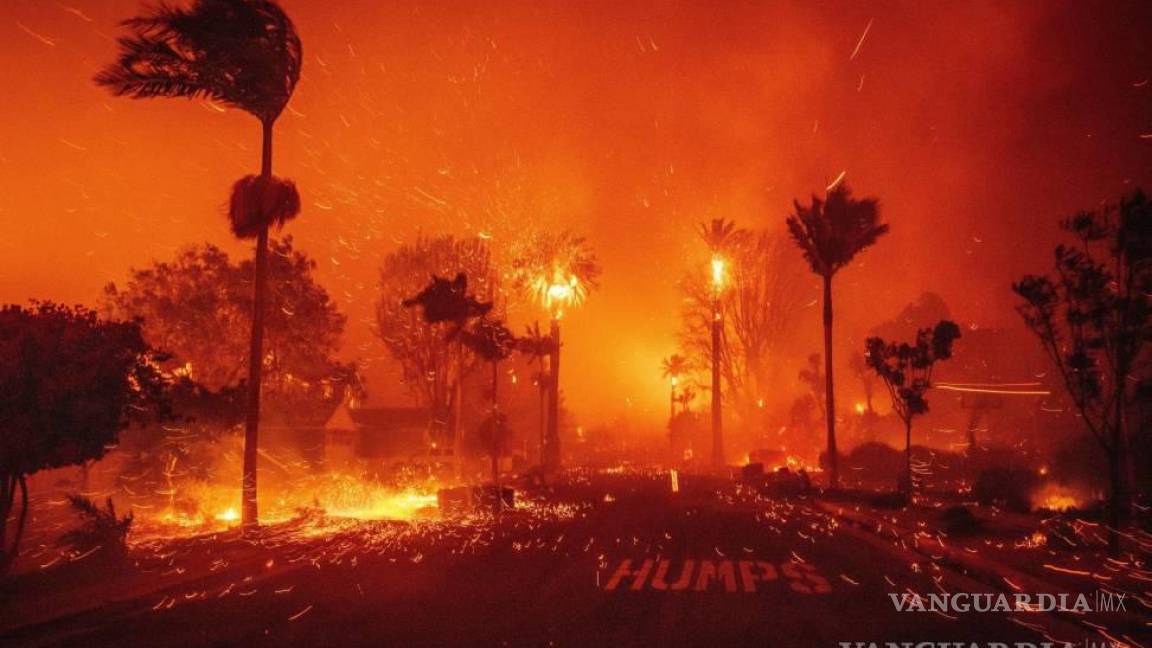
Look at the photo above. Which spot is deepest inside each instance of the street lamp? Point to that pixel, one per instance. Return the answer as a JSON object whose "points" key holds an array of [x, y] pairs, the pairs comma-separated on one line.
{"points": [[719, 267]]}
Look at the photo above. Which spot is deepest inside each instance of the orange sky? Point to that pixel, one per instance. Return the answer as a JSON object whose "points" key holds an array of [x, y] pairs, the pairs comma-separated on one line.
{"points": [[975, 124]]}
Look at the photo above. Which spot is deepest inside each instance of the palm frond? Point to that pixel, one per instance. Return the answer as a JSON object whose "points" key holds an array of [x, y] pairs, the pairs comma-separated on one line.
{"points": [[242, 53], [831, 232], [722, 236], [258, 202]]}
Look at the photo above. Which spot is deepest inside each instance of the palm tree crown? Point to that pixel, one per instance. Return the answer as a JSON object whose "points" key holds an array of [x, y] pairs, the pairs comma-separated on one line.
{"points": [[721, 235], [557, 270], [242, 53], [832, 231], [258, 202], [490, 339], [675, 366]]}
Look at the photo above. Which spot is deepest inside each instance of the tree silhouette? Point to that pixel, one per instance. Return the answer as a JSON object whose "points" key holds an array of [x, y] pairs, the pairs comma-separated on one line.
{"points": [[448, 302], [445, 301], [245, 54], [69, 382], [858, 363], [722, 238], [192, 305], [906, 370], [674, 367], [491, 341], [830, 233], [538, 346], [1094, 320], [558, 271], [433, 366], [761, 305]]}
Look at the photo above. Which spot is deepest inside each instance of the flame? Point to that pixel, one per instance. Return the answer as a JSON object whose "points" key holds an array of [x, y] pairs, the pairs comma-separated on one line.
{"points": [[201, 507], [1055, 497], [557, 292], [718, 272]]}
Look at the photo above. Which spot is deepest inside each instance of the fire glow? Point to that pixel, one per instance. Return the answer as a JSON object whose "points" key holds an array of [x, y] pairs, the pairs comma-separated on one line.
{"points": [[199, 507], [1054, 497]]}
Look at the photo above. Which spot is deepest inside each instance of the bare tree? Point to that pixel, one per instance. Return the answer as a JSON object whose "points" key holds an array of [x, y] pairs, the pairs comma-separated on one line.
{"points": [[762, 309], [432, 365], [1094, 320]]}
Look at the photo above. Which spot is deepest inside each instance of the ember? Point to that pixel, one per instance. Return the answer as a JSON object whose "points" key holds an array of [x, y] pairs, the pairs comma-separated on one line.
{"points": [[571, 323]]}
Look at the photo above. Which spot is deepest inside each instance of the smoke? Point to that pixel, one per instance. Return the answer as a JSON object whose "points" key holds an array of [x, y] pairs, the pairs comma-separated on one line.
{"points": [[976, 124]]}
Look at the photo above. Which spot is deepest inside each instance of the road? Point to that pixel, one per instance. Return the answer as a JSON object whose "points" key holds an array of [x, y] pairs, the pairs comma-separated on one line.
{"points": [[622, 561]]}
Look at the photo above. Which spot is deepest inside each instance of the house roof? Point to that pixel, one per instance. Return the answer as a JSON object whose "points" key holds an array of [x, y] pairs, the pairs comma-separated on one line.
{"points": [[380, 418]]}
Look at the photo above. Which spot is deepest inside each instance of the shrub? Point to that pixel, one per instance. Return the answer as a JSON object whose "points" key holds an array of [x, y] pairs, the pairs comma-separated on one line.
{"points": [[1006, 487], [102, 530], [959, 520]]}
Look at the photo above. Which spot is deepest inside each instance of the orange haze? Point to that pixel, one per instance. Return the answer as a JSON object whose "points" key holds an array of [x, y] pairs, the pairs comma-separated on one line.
{"points": [[976, 124]]}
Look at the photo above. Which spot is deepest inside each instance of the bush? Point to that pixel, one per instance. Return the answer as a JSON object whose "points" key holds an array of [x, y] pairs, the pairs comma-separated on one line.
{"points": [[1007, 488], [101, 531], [874, 462], [892, 500], [959, 520]]}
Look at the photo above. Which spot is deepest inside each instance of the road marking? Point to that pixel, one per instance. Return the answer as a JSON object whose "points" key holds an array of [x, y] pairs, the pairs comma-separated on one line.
{"points": [[703, 575]]}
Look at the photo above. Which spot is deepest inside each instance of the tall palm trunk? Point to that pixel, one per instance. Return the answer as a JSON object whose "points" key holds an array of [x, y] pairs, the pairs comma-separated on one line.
{"points": [[8, 552], [552, 445], [250, 516], [495, 409], [1117, 491], [717, 414], [454, 426], [829, 396], [908, 457], [543, 390]]}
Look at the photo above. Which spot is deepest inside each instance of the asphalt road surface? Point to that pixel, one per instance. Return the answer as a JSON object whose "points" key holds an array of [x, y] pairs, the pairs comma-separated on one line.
{"points": [[623, 562]]}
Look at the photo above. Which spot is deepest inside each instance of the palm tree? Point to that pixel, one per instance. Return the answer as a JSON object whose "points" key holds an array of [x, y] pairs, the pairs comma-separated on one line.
{"points": [[245, 54], [558, 271], [722, 238], [831, 233], [491, 341], [674, 366], [538, 346]]}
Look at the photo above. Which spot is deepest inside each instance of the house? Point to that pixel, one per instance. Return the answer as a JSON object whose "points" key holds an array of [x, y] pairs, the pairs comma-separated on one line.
{"points": [[374, 434]]}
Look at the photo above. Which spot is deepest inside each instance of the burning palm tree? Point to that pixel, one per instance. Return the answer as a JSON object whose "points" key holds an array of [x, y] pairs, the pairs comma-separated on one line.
{"points": [[831, 233], [558, 271], [722, 238], [245, 54], [674, 367]]}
